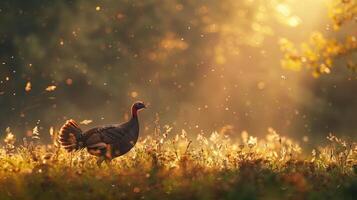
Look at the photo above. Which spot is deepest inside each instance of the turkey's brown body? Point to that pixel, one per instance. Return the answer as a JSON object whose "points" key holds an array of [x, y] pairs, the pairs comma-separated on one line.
{"points": [[112, 140], [106, 142]]}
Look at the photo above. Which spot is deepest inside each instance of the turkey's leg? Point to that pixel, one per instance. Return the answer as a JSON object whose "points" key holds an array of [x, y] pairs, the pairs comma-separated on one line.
{"points": [[108, 156], [104, 154], [108, 152]]}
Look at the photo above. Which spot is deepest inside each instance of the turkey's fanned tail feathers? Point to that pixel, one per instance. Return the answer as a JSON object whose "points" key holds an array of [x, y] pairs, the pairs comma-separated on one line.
{"points": [[70, 135]]}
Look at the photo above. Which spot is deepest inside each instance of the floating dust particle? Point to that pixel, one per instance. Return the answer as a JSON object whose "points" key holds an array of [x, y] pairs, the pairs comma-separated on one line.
{"points": [[69, 81], [283, 9], [179, 7], [134, 94], [120, 16], [28, 87], [51, 88], [86, 121], [305, 138], [51, 130], [294, 21], [136, 190], [261, 85]]}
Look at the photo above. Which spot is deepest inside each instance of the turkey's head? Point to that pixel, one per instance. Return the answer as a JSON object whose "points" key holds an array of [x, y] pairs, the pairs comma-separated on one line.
{"points": [[137, 106]]}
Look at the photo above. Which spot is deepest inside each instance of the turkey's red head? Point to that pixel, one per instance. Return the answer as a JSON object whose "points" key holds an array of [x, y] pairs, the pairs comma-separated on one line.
{"points": [[137, 106]]}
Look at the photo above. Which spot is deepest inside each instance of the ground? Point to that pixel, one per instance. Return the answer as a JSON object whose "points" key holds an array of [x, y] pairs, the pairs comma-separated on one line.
{"points": [[176, 167]]}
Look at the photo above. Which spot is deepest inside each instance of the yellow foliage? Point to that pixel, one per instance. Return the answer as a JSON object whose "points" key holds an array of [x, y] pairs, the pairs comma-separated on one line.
{"points": [[320, 52]]}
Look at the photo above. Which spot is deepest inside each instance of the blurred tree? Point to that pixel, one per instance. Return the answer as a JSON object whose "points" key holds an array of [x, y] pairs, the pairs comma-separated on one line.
{"points": [[112, 52], [321, 52]]}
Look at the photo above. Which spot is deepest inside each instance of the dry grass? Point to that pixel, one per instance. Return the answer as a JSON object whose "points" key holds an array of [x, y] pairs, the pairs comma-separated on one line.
{"points": [[169, 166]]}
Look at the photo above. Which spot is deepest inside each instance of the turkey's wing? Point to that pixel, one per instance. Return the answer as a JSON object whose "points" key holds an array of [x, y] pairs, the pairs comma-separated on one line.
{"points": [[113, 135], [94, 135]]}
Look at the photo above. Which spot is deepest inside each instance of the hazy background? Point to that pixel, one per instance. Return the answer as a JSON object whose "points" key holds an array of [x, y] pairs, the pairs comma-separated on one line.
{"points": [[200, 64]]}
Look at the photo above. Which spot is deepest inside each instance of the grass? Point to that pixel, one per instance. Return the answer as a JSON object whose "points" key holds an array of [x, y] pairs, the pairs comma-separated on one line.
{"points": [[169, 166]]}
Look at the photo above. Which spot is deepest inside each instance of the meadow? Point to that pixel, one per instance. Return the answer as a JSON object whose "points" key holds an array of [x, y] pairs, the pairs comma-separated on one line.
{"points": [[198, 64], [166, 165]]}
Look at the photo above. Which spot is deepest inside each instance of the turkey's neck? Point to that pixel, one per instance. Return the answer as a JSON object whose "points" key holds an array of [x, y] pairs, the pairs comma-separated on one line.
{"points": [[134, 112]]}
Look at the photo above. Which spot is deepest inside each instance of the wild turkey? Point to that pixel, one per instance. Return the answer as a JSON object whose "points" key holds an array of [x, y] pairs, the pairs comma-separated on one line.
{"points": [[105, 142]]}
